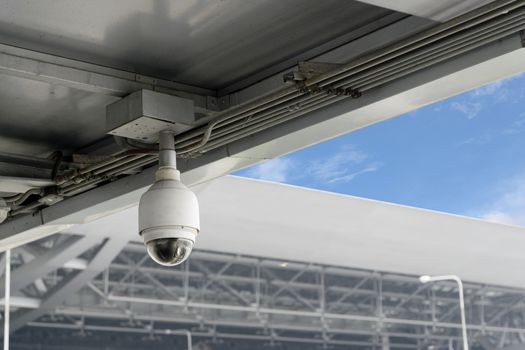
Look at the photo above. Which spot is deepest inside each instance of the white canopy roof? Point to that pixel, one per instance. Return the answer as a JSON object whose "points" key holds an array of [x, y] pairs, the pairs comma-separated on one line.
{"points": [[291, 223]]}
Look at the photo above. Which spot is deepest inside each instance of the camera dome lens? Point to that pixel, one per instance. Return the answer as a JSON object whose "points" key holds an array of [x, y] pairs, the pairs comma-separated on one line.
{"points": [[169, 251]]}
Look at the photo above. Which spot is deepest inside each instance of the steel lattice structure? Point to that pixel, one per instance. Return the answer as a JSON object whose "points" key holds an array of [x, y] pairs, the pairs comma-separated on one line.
{"points": [[226, 299]]}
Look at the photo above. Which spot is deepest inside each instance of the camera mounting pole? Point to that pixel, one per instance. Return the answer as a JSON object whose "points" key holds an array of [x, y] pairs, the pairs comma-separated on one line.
{"points": [[167, 158], [168, 210], [167, 154]]}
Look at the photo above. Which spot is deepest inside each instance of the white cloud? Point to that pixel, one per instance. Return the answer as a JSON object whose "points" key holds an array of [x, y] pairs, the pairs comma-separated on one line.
{"points": [[337, 164], [499, 90], [515, 128], [469, 141], [509, 206], [470, 109], [499, 217], [489, 89], [349, 177], [341, 167], [478, 140], [277, 170], [490, 94]]}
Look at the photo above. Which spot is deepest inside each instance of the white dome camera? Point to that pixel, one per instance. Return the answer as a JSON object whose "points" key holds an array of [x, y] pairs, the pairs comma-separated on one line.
{"points": [[168, 211]]}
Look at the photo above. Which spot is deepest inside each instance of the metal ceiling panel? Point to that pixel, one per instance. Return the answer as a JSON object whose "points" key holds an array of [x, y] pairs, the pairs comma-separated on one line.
{"points": [[38, 117], [208, 43]]}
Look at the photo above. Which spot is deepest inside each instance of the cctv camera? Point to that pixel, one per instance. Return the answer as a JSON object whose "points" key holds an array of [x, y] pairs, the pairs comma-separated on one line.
{"points": [[168, 216], [169, 219]]}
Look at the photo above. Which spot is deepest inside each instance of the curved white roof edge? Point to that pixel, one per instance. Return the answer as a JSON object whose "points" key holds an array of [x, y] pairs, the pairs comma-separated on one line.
{"points": [[262, 218], [337, 194]]}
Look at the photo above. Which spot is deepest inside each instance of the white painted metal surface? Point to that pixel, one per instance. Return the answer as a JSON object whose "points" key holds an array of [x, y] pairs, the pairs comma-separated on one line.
{"points": [[291, 223]]}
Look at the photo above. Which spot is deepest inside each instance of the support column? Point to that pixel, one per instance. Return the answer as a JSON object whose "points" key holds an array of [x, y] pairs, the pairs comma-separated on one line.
{"points": [[7, 297]]}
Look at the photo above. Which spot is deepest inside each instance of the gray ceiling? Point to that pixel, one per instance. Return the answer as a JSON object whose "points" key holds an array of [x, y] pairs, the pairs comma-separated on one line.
{"points": [[37, 117], [205, 43], [202, 42]]}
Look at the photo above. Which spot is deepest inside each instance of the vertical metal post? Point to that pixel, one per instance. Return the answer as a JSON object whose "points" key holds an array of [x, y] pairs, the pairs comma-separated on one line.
{"points": [[482, 315], [322, 296], [186, 285], [7, 297], [258, 286], [322, 304], [167, 155], [385, 342], [434, 318], [503, 338], [379, 302]]}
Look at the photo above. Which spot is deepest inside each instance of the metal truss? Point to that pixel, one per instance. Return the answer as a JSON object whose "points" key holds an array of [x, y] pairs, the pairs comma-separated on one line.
{"points": [[237, 299]]}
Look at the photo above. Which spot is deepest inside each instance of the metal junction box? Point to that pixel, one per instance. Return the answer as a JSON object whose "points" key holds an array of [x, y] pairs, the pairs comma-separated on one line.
{"points": [[143, 114]]}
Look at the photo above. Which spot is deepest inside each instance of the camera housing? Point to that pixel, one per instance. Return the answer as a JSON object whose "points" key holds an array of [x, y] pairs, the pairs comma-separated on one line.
{"points": [[168, 212]]}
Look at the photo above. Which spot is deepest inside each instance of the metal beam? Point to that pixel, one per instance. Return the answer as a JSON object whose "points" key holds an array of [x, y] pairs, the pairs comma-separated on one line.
{"points": [[187, 320], [288, 283], [291, 291], [28, 253], [214, 277], [352, 291], [105, 254], [223, 284], [519, 301], [278, 281], [403, 302], [447, 315], [308, 314], [340, 272], [50, 261], [131, 269], [22, 302], [153, 280], [224, 335]]}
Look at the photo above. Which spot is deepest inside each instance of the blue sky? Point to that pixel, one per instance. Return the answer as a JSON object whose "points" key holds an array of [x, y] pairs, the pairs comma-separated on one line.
{"points": [[463, 155]]}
